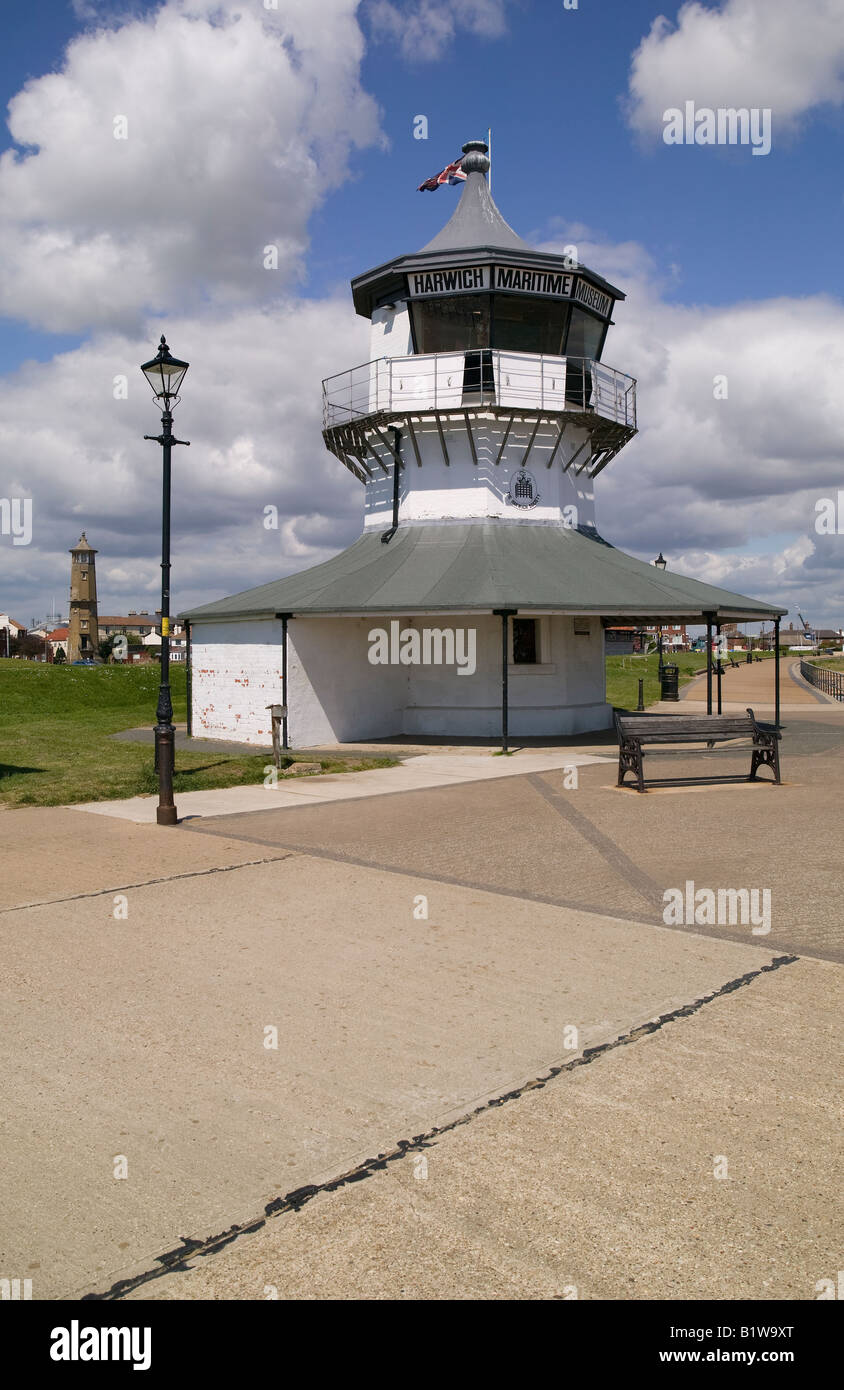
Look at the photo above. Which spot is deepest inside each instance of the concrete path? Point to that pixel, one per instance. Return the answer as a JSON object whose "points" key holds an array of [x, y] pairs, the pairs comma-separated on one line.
{"points": [[754, 686], [418, 956], [143, 1038], [678, 1166], [427, 770]]}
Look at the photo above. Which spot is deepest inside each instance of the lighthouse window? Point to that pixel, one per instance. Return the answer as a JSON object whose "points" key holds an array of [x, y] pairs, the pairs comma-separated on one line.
{"points": [[584, 336], [451, 325], [522, 324], [524, 642]]}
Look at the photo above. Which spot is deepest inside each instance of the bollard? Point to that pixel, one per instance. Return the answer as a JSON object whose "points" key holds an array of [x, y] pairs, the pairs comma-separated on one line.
{"points": [[641, 704]]}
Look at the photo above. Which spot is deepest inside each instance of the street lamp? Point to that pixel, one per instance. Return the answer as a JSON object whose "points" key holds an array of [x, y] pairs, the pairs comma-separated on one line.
{"points": [[165, 375], [660, 563]]}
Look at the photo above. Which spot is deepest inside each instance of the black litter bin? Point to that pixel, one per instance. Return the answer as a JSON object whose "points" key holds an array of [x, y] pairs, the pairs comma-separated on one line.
{"points": [[670, 682]]}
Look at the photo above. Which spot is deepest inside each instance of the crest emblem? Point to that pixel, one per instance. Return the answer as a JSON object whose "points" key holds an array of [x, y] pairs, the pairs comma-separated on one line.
{"points": [[523, 491]]}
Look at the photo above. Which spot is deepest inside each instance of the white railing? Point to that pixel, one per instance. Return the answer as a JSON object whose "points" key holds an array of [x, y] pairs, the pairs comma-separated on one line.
{"points": [[455, 380]]}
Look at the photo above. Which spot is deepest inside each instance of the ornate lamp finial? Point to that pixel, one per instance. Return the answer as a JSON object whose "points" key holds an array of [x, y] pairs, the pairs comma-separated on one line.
{"points": [[475, 157]]}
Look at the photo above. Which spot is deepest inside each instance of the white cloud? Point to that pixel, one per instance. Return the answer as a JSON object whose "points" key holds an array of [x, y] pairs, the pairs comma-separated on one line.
{"points": [[726, 488], [251, 408], [755, 53], [424, 29], [225, 116], [239, 121]]}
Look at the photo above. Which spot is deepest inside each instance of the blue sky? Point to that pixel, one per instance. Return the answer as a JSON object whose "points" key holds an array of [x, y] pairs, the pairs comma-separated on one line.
{"points": [[730, 226], [732, 261], [553, 93]]}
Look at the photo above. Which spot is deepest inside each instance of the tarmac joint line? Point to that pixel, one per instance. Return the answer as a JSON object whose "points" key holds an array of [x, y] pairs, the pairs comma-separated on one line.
{"points": [[176, 1261]]}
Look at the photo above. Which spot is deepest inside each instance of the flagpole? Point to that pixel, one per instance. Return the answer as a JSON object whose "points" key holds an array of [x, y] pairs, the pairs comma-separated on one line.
{"points": [[489, 151]]}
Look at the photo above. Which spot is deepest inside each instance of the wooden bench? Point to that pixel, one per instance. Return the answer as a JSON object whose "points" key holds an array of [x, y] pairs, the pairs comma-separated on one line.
{"points": [[634, 730]]}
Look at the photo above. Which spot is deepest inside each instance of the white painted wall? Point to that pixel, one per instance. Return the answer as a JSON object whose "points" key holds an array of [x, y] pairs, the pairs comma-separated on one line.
{"points": [[336, 695], [564, 693], [463, 490], [390, 334]]}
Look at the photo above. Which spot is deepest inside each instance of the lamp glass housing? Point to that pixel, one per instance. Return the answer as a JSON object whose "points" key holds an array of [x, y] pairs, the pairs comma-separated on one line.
{"points": [[165, 375]]}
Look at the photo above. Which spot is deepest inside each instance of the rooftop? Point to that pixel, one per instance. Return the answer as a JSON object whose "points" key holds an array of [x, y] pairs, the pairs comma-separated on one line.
{"points": [[464, 567]]}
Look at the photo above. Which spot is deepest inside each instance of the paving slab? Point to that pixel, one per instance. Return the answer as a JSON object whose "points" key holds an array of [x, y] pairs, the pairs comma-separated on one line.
{"points": [[695, 1162], [143, 1039], [51, 852], [425, 771]]}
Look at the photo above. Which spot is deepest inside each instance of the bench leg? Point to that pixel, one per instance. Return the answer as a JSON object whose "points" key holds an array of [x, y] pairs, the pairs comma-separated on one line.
{"points": [[630, 760], [769, 756]]}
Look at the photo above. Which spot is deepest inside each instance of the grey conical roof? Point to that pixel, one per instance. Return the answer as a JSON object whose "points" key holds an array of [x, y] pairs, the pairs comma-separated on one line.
{"points": [[476, 221]]}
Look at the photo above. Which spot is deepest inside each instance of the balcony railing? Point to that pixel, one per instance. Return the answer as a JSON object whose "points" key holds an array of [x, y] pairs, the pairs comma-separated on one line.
{"points": [[452, 381]]}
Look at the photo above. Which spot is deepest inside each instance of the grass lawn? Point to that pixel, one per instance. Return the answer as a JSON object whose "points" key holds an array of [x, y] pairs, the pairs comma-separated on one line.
{"points": [[55, 748], [835, 663], [624, 673]]}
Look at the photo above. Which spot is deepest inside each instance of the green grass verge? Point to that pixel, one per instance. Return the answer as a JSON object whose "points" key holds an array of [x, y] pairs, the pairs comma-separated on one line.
{"points": [[833, 663], [624, 673], [55, 748]]}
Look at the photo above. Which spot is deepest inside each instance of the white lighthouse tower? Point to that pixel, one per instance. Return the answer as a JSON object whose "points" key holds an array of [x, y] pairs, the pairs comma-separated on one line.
{"points": [[485, 395], [477, 429]]}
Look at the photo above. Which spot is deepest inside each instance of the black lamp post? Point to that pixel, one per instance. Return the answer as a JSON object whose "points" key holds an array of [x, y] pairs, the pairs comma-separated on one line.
{"points": [[660, 563], [165, 375]]}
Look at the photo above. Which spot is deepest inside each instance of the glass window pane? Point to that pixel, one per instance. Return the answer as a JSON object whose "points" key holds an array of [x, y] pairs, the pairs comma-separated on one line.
{"points": [[524, 641], [527, 324], [452, 325], [584, 335]]}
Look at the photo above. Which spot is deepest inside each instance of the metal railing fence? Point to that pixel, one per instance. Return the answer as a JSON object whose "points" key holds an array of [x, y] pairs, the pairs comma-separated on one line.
{"points": [[483, 376]]}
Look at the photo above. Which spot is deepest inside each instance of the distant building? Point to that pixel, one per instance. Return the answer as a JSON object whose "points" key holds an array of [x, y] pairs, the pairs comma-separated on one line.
{"points": [[674, 636], [83, 633], [10, 631], [58, 640], [797, 638], [623, 641], [140, 623], [145, 625], [178, 642]]}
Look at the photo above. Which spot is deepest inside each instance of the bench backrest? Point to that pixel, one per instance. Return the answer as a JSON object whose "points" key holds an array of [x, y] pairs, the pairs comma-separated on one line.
{"points": [[706, 725]]}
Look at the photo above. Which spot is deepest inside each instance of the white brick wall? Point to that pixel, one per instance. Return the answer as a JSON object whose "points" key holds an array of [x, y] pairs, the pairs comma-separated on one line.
{"points": [[236, 673]]}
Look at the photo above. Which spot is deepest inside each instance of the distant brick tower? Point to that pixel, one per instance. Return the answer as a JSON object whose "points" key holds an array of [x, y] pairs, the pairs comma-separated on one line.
{"points": [[83, 631]]}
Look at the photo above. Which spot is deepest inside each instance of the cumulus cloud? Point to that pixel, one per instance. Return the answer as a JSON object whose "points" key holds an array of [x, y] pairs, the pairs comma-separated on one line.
{"points": [[423, 29], [168, 152], [754, 53], [241, 123], [251, 408], [739, 433]]}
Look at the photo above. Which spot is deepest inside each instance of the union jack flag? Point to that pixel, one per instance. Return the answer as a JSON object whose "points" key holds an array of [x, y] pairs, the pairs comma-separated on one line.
{"points": [[452, 173]]}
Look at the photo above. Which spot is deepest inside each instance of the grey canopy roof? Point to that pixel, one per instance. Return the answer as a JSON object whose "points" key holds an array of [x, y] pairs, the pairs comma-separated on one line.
{"points": [[475, 221], [477, 566]]}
